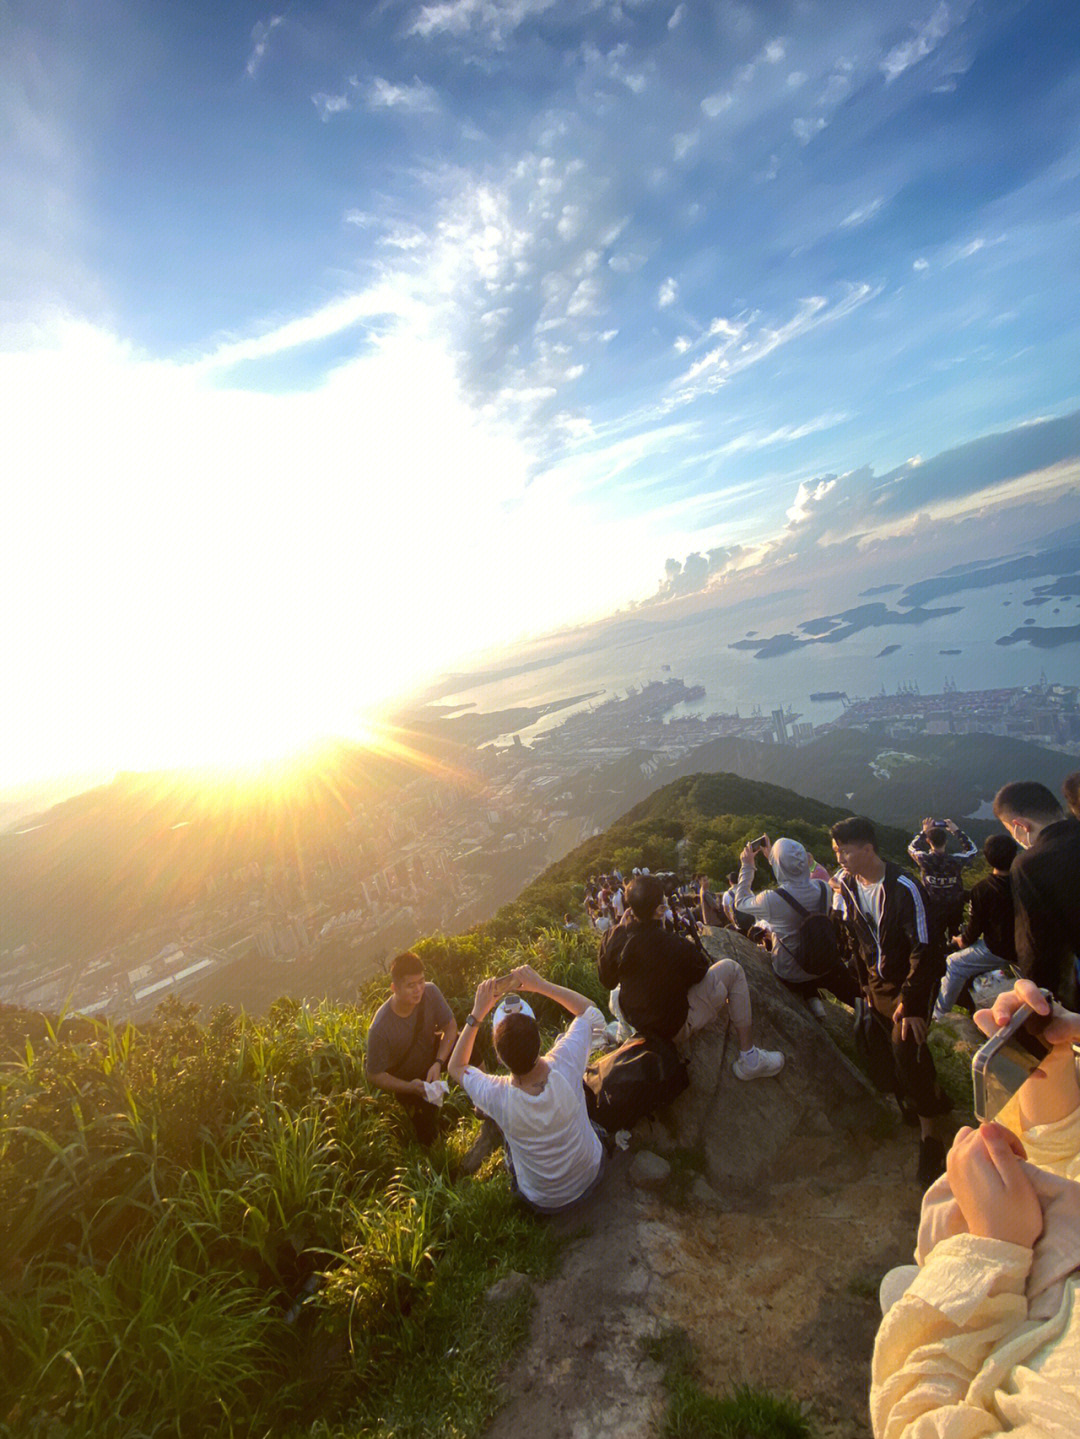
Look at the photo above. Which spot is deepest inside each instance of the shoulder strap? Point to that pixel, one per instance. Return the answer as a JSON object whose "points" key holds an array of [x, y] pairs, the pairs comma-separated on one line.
{"points": [[796, 906]]}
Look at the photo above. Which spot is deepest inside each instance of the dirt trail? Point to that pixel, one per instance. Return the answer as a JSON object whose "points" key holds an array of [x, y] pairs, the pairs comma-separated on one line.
{"points": [[782, 1296]]}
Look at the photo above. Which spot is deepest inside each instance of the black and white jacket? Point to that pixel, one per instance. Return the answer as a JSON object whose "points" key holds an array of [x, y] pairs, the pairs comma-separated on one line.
{"points": [[900, 958]]}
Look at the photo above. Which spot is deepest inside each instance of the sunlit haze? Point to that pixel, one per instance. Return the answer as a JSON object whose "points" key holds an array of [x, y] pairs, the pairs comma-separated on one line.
{"points": [[339, 345]]}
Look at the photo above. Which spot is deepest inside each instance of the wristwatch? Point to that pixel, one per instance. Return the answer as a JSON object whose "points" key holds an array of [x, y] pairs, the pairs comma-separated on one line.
{"points": [[472, 1019]]}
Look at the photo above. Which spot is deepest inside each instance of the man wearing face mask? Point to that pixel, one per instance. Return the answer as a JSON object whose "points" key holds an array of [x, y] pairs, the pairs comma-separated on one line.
{"points": [[1046, 886]]}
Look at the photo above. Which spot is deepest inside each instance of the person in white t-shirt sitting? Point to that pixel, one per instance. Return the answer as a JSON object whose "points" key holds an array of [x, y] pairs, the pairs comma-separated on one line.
{"points": [[554, 1153]]}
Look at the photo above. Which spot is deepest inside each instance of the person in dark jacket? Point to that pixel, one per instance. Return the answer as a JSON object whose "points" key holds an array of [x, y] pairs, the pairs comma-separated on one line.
{"points": [[988, 939], [942, 874], [667, 986], [899, 965], [1046, 886]]}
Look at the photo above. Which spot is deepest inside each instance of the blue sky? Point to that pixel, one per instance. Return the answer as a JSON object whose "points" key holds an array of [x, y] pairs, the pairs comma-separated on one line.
{"points": [[472, 314]]}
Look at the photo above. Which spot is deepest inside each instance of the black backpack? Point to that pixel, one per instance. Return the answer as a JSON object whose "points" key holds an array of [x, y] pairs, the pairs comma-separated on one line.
{"points": [[815, 947], [643, 1075]]}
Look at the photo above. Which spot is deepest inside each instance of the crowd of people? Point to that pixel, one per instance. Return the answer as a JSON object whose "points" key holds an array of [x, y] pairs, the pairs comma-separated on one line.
{"points": [[899, 949]]}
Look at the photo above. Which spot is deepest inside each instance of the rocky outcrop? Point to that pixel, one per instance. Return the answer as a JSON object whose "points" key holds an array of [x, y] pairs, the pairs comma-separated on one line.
{"points": [[753, 1134]]}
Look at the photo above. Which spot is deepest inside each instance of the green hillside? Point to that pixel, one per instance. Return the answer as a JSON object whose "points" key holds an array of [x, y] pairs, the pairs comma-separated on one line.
{"points": [[947, 775], [697, 824]]}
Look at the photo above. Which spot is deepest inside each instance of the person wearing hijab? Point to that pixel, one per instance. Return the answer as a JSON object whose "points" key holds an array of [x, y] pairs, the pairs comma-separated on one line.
{"points": [[784, 909]]}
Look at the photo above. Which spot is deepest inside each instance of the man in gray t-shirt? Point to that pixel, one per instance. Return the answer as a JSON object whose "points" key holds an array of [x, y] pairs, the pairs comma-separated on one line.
{"points": [[409, 1042]]}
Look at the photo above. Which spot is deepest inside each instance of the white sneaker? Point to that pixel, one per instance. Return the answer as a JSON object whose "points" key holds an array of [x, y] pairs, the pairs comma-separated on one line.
{"points": [[760, 1064], [816, 1006]]}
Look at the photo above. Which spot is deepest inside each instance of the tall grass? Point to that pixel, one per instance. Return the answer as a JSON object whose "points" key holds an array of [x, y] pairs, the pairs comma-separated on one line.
{"points": [[218, 1229]]}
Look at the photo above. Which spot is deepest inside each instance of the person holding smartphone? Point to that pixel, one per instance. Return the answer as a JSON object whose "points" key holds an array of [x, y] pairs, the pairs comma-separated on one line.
{"points": [[553, 1150], [981, 1342]]}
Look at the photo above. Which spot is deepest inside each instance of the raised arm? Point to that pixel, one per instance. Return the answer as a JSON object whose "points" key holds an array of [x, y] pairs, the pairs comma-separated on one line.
{"points": [[527, 979]]}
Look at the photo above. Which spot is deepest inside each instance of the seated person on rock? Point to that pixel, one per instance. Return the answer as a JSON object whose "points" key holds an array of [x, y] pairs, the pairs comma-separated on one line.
{"points": [[785, 909], [988, 940], [553, 1151], [667, 986], [984, 1338], [409, 1042]]}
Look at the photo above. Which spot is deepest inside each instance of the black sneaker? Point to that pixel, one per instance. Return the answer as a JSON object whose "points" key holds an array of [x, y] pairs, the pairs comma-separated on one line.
{"points": [[931, 1161]]}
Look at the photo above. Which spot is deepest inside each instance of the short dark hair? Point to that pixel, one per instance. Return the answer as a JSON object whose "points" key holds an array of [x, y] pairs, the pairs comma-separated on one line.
{"points": [[733, 877], [1027, 799], [517, 1042], [1000, 850], [856, 829], [404, 964], [643, 894], [1071, 790], [937, 836]]}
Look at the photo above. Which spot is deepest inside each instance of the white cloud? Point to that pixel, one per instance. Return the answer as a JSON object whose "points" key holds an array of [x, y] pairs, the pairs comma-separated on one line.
{"points": [[676, 17], [861, 214], [923, 42], [804, 130], [628, 262], [796, 79], [746, 342], [418, 98], [774, 51], [809, 499], [714, 105], [920, 264], [684, 143], [328, 105], [972, 248], [496, 19], [668, 293], [260, 35]]}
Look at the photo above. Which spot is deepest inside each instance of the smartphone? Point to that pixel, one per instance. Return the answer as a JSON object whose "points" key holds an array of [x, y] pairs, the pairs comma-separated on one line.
{"points": [[1007, 1059], [759, 843], [503, 982]]}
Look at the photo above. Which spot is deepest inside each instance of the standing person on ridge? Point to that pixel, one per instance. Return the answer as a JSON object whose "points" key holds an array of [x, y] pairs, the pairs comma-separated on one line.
{"points": [[942, 874], [899, 965], [1046, 886]]}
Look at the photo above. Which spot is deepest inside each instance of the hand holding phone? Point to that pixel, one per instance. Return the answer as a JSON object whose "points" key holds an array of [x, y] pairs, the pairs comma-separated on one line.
{"points": [[1009, 1057], [762, 842]]}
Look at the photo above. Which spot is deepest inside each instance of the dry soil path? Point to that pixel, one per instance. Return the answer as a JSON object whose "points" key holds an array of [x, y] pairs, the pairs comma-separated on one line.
{"points": [[781, 1294]]}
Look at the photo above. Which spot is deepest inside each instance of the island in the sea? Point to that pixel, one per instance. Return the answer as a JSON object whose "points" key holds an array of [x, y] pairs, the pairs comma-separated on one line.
{"points": [[1043, 637]]}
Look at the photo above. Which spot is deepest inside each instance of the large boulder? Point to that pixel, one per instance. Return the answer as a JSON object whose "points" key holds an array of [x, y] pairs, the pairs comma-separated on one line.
{"points": [[759, 1132]]}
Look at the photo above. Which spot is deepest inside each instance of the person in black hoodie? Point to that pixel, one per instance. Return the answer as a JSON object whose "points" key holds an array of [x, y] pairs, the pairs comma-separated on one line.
{"points": [[899, 964], [942, 874], [667, 986], [988, 940], [1046, 886]]}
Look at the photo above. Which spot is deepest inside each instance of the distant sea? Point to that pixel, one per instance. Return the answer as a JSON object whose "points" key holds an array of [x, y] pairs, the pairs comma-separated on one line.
{"points": [[698, 652]]}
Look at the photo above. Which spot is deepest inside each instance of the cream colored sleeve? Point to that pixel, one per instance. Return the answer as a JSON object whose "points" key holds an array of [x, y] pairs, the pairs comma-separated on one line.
{"points": [[1055, 1146], [967, 1299]]}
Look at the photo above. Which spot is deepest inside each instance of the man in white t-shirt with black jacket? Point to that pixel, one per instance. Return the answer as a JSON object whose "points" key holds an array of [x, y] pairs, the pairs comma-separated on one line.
{"points": [[899, 964], [554, 1153]]}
